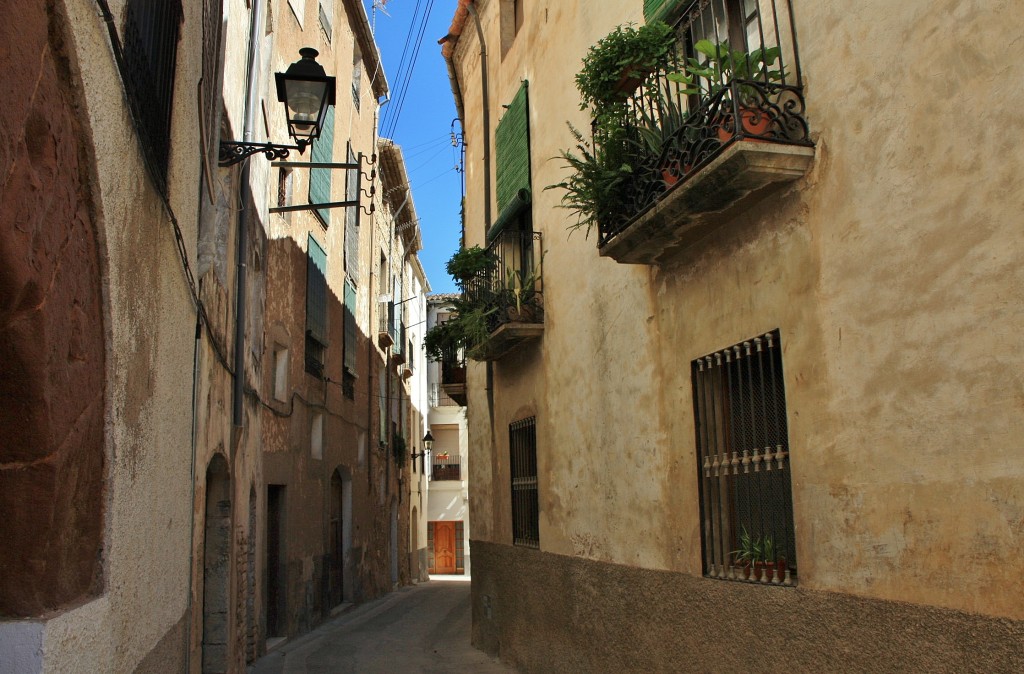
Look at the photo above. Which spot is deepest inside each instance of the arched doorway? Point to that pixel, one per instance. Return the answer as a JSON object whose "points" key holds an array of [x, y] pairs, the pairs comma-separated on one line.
{"points": [[216, 563], [340, 536]]}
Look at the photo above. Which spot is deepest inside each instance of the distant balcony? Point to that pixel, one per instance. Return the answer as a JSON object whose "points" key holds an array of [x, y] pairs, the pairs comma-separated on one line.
{"points": [[445, 469], [705, 148], [439, 397], [513, 293], [453, 379], [385, 325], [398, 349]]}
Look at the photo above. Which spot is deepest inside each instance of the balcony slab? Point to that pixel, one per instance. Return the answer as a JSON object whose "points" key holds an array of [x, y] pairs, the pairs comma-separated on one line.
{"points": [[743, 174], [506, 338]]}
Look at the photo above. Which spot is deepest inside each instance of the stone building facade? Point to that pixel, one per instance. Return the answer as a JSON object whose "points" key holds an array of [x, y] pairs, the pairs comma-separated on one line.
{"points": [[192, 461], [833, 298]]}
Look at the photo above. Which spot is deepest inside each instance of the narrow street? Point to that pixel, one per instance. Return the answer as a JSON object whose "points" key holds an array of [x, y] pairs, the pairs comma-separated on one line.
{"points": [[422, 628]]}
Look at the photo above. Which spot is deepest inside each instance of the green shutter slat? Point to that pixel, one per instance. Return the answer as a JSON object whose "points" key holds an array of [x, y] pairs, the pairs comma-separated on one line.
{"points": [[512, 149], [350, 327], [320, 179], [316, 291], [661, 10]]}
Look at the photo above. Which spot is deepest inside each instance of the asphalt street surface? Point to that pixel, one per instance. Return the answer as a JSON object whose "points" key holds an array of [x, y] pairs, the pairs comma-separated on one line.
{"points": [[422, 628]]}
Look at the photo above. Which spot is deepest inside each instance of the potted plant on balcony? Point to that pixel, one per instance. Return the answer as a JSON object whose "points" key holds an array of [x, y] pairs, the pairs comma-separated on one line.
{"points": [[713, 73], [617, 64], [593, 190], [469, 326]]}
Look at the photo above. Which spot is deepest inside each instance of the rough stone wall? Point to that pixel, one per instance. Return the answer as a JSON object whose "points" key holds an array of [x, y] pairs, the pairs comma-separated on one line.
{"points": [[580, 615], [52, 329]]}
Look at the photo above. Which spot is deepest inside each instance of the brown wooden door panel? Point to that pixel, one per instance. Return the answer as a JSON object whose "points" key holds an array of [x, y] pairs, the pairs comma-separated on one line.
{"points": [[444, 547]]}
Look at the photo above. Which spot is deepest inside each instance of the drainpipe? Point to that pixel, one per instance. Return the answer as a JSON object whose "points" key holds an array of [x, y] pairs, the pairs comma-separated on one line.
{"points": [[245, 196]]}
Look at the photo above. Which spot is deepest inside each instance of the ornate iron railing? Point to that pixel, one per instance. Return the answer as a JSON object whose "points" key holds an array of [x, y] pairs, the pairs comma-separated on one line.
{"points": [[513, 290], [667, 129]]}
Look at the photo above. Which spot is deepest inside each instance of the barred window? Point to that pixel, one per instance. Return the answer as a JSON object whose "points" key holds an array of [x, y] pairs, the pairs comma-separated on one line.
{"points": [[522, 436], [151, 50], [743, 450]]}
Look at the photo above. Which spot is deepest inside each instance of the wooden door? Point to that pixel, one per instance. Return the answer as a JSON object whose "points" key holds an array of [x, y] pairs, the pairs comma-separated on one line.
{"points": [[444, 547]]}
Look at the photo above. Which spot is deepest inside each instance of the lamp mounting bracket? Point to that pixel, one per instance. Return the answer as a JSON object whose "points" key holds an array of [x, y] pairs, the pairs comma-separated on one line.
{"points": [[234, 152]]}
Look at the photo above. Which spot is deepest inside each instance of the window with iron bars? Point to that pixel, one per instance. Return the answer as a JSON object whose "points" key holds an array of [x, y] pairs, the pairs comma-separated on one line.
{"points": [[150, 52], [522, 440], [747, 531]]}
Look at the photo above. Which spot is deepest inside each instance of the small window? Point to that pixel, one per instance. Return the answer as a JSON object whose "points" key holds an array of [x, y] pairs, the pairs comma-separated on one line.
{"points": [[744, 463], [522, 437], [511, 19], [357, 76], [298, 9], [316, 436], [280, 383], [326, 18]]}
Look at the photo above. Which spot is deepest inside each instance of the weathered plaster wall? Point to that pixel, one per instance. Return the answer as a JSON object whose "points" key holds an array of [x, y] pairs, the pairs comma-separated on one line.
{"points": [[149, 345], [702, 626], [890, 270]]}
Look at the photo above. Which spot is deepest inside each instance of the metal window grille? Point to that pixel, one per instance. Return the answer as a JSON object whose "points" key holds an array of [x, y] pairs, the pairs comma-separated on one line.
{"points": [[522, 436], [743, 445], [151, 49]]}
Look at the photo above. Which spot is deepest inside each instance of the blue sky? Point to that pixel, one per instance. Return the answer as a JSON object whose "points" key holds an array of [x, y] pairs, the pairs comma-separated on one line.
{"points": [[424, 123]]}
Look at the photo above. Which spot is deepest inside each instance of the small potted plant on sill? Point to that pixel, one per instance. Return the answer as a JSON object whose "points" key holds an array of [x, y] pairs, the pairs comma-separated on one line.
{"points": [[748, 556], [712, 73], [768, 556]]}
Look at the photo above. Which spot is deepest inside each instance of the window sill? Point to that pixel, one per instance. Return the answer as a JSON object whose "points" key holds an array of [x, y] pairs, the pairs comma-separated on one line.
{"points": [[742, 175]]}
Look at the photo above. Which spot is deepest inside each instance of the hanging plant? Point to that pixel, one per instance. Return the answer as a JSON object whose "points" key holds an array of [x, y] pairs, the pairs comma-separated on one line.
{"points": [[620, 60]]}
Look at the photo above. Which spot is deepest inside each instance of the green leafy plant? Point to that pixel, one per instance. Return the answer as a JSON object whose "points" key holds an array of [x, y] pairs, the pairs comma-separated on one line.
{"points": [[399, 447], [626, 52], [471, 268], [768, 551], [717, 65], [660, 122], [750, 551], [597, 174]]}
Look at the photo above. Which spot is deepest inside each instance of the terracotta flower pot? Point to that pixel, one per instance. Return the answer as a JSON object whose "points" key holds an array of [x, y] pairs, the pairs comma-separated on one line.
{"points": [[755, 123]]}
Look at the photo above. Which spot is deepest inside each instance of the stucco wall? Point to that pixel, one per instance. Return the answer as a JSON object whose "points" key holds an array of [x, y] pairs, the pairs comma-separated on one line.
{"points": [[889, 269]]}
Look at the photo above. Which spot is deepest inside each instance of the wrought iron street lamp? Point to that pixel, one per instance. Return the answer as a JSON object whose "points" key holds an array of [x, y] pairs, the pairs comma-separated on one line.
{"points": [[306, 91], [428, 445]]}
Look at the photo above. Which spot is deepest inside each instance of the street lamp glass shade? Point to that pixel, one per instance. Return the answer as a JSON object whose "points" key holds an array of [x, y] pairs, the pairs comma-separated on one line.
{"points": [[428, 441], [306, 91]]}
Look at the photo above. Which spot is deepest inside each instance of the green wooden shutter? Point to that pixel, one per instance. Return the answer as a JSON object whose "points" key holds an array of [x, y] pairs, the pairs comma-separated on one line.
{"points": [[316, 291], [512, 149], [320, 179], [661, 10], [350, 327], [352, 220]]}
